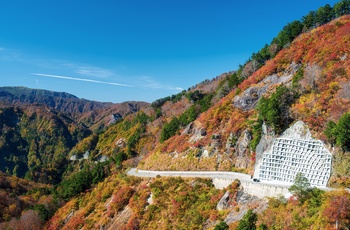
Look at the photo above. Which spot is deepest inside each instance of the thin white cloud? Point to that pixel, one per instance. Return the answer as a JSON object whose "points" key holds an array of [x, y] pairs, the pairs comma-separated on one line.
{"points": [[94, 72], [179, 88], [9, 55], [150, 83], [80, 79], [88, 70]]}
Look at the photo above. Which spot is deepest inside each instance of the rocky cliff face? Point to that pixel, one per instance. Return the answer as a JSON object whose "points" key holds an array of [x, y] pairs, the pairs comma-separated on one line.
{"points": [[242, 152], [237, 202], [250, 97]]}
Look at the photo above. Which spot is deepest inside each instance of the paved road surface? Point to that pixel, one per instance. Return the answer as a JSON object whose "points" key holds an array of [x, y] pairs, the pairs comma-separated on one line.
{"points": [[202, 174]]}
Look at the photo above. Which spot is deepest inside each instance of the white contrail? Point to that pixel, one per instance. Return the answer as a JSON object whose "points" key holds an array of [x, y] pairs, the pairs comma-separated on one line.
{"points": [[80, 79]]}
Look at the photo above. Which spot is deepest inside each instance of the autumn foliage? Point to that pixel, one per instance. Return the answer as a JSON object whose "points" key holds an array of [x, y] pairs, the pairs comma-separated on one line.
{"points": [[196, 129], [319, 211]]}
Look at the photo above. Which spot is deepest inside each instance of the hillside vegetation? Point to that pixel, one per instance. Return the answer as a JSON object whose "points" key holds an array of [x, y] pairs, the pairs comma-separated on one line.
{"points": [[72, 153], [308, 81]]}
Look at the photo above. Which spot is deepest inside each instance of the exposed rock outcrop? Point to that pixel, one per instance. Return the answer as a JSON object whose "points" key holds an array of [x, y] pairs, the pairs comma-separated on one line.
{"points": [[223, 202], [231, 142], [251, 96], [297, 131], [260, 206], [267, 138], [120, 220], [239, 204], [188, 129], [121, 143], [197, 132], [114, 118], [242, 149], [243, 143]]}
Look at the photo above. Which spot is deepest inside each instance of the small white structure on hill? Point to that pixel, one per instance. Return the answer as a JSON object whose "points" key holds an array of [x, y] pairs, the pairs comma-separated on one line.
{"points": [[291, 154]]}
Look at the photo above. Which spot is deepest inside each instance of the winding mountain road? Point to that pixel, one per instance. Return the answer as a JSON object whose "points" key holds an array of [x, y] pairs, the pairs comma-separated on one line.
{"points": [[200, 174]]}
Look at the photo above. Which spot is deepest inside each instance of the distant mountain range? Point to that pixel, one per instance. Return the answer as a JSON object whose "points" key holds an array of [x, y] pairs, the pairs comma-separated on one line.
{"points": [[92, 113]]}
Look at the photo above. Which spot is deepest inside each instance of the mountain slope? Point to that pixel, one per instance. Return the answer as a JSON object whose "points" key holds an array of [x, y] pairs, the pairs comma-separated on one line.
{"points": [[296, 84], [314, 71], [34, 142], [24, 204], [38, 129]]}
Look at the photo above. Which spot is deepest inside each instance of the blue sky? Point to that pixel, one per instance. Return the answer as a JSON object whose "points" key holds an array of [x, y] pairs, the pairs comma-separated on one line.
{"points": [[122, 50]]}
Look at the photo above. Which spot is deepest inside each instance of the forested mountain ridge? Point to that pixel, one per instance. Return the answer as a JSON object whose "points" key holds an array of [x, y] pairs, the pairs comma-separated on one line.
{"points": [[216, 125], [92, 113], [59, 101]]}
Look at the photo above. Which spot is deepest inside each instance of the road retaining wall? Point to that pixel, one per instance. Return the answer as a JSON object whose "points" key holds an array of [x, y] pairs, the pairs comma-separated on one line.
{"points": [[258, 189]]}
